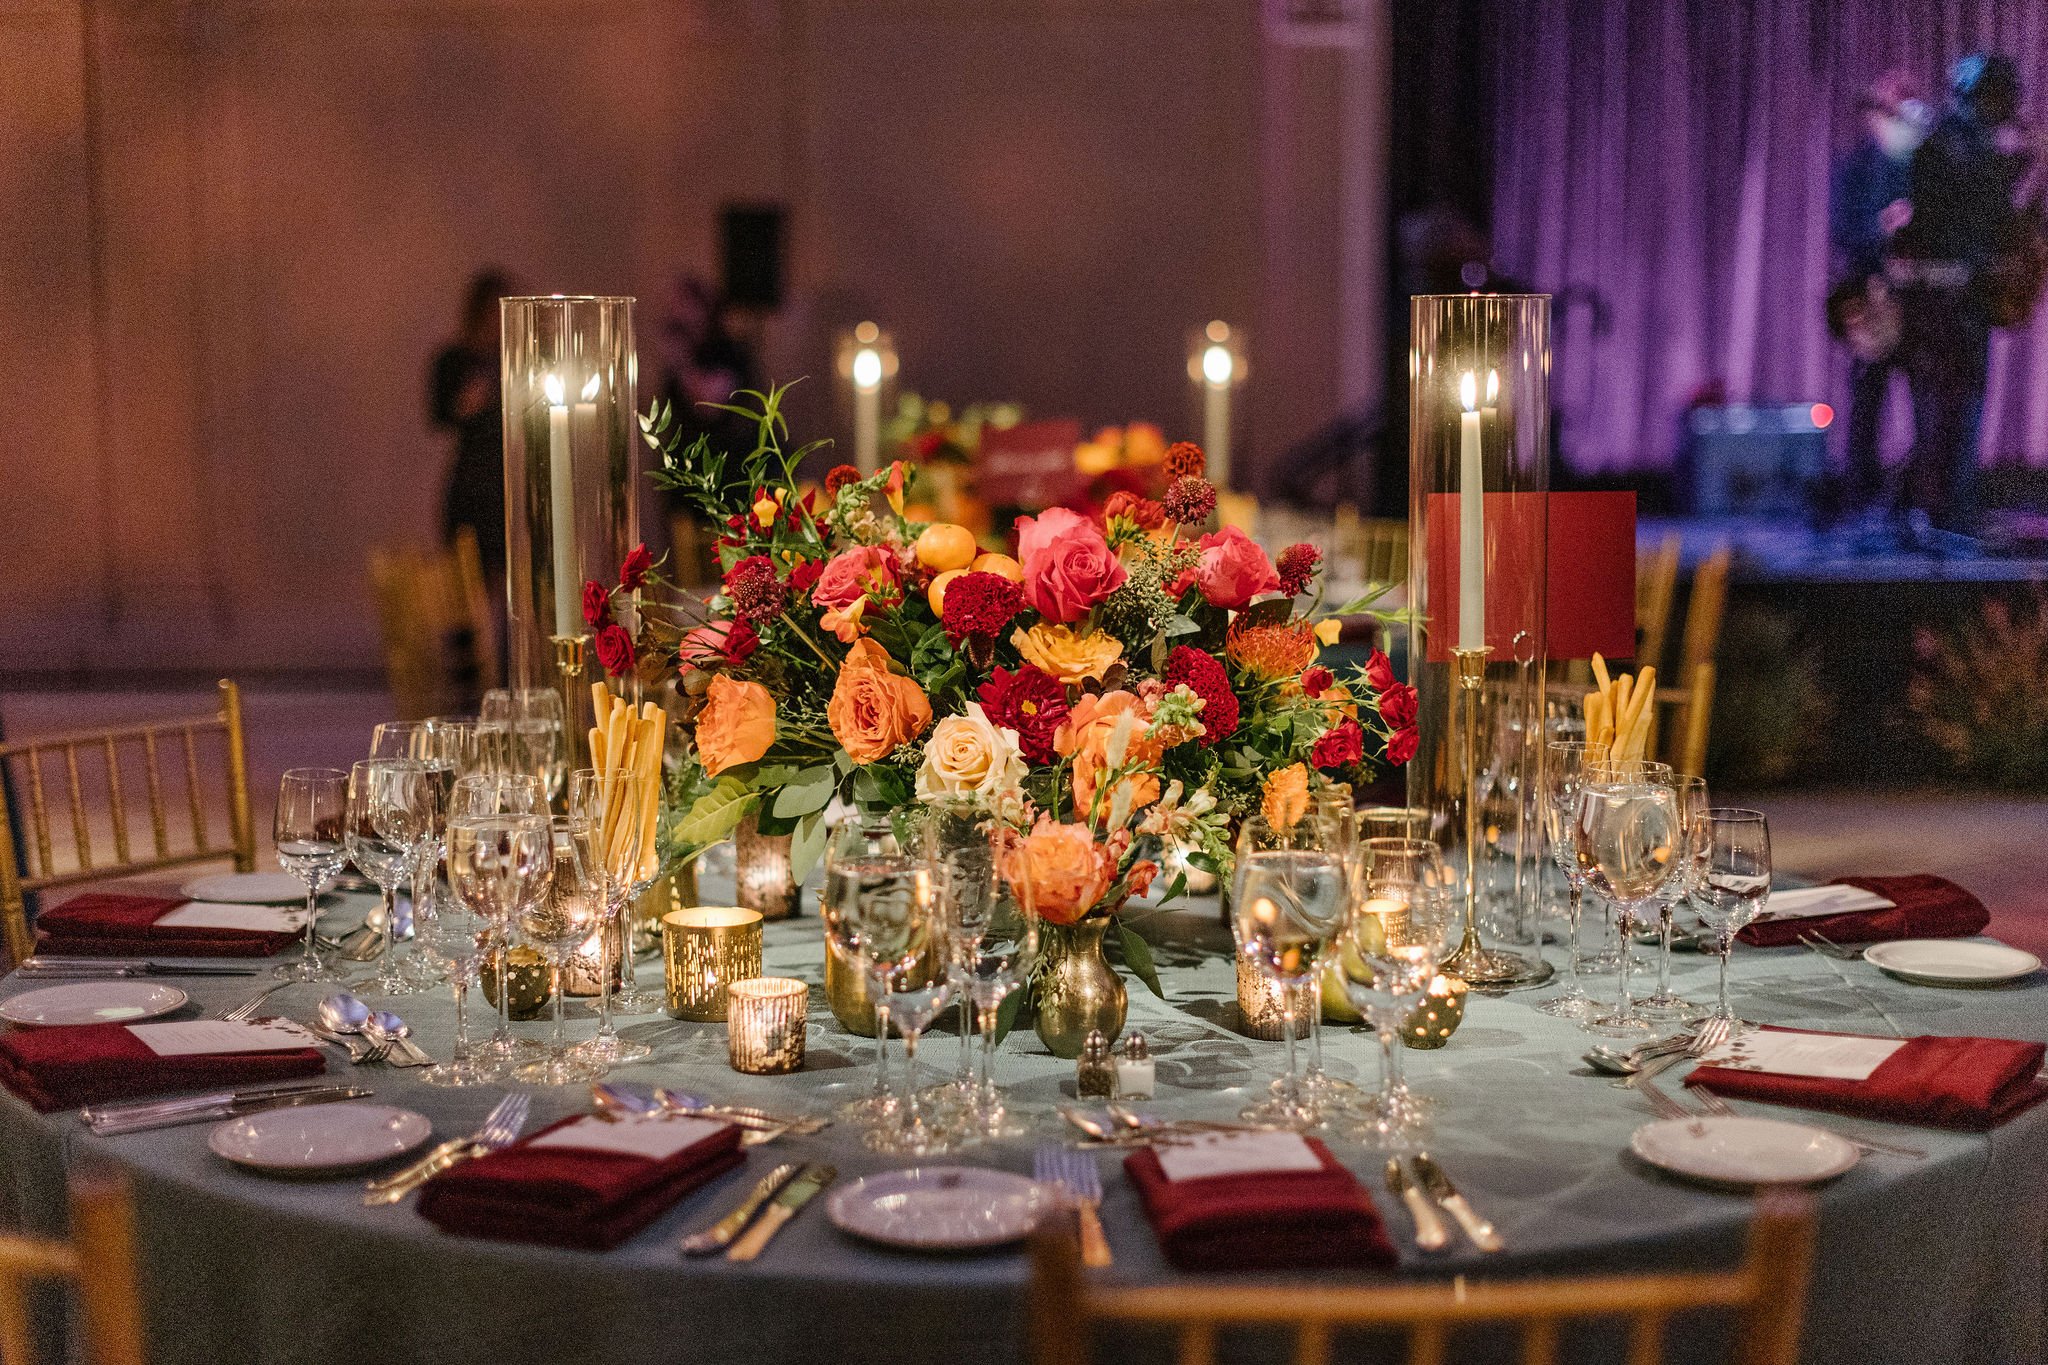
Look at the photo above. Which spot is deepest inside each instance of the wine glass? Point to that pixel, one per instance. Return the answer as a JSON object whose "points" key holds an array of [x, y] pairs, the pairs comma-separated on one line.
{"points": [[954, 833], [1563, 774], [861, 848], [497, 794], [527, 723], [560, 919], [1733, 887], [429, 744], [494, 862], [388, 807], [312, 804], [1691, 794], [1629, 836], [607, 800], [1337, 810], [898, 929], [1289, 901], [993, 925], [1402, 921]]}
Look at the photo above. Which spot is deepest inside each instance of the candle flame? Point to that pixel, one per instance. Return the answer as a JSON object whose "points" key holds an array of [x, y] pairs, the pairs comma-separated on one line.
{"points": [[1492, 387], [590, 390], [553, 385], [1468, 391]]}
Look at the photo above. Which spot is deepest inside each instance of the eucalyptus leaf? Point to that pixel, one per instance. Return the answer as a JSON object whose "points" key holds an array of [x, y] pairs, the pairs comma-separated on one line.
{"points": [[1006, 1014], [810, 790], [807, 845], [1138, 957], [717, 812]]}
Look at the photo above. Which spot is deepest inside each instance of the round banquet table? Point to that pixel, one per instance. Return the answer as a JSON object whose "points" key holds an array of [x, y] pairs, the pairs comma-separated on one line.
{"points": [[1933, 1260]]}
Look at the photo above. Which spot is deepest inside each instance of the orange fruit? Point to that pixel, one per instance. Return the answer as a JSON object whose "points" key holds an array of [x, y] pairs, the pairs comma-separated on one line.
{"points": [[944, 546], [998, 564], [936, 593]]}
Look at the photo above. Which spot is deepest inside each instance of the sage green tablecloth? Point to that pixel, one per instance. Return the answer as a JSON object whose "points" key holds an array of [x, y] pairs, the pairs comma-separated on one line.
{"points": [[1920, 1261]]}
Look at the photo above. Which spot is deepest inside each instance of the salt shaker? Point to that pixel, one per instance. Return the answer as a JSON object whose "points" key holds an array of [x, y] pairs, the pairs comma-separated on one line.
{"points": [[1135, 1069], [1095, 1073]]}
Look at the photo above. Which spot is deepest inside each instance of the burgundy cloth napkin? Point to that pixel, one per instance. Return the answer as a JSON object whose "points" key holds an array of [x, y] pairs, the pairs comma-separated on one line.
{"points": [[57, 1068], [101, 924], [1970, 1083], [1923, 906], [1267, 1220], [563, 1196]]}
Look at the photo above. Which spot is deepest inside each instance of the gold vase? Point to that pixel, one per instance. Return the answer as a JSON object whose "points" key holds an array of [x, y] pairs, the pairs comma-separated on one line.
{"points": [[1078, 991], [846, 989], [762, 872]]}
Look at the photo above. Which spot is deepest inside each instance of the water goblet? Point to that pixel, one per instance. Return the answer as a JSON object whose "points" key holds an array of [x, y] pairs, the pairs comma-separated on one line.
{"points": [[994, 922], [898, 930], [1691, 795], [1401, 923], [1732, 888], [494, 862], [1289, 901], [388, 806], [312, 807], [1564, 773], [525, 727], [558, 921], [859, 850], [1629, 838]]}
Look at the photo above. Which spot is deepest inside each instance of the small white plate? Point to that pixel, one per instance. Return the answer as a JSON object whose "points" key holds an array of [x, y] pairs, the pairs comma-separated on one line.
{"points": [[247, 888], [1743, 1151], [1951, 961], [92, 1002], [940, 1208], [317, 1139]]}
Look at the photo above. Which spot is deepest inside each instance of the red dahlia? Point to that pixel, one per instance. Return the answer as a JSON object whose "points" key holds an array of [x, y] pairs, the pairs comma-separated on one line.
{"points": [[1184, 458], [1296, 566], [757, 594], [1030, 701], [1190, 500], [980, 604], [1342, 745], [841, 475], [1207, 680]]}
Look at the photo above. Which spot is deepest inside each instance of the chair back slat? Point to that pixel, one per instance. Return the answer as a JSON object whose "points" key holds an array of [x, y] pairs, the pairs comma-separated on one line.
{"points": [[39, 811], [1703, 611], [1426, 1344], [1312, 1344], [81, 837], [1646, 1338], [14, 1336], [1539, 1342], [1656, 586], [156, 795], [1197, 1345], [195, 800], [115, 802], [100, 1263]]}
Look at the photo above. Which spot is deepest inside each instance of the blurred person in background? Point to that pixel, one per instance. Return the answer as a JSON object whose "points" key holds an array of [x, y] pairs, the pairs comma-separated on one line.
{"points": [[463, 399], [703, 358]]}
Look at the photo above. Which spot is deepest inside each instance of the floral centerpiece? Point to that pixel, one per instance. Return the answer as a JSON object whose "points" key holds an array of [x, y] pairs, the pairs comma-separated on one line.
{"points": [[1123, 685]]}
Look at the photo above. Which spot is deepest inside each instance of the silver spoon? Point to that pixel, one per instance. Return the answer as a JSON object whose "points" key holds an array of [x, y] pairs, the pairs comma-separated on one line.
{"points": [[389, 1031], [344, 1014], [1611, 1061]]}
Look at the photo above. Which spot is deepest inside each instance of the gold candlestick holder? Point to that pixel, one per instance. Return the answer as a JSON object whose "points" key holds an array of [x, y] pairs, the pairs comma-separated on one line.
{"points": [[569, 651], [1480, 966]]}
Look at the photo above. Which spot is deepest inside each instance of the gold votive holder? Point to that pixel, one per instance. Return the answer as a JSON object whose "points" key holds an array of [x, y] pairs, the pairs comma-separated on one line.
{"points": [[1438, 1016], [764, 1024], [704, 949], [1259, 1005], [526, 982]]}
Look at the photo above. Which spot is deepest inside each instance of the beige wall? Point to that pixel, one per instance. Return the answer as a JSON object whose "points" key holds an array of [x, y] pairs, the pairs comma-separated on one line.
{"points": [[236, 229]]}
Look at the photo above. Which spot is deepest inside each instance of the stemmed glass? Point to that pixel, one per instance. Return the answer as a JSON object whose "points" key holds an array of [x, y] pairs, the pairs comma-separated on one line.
{"points": [[497, 794], [493, 861], [388, 807], [994, 927], [418, 741], [526, 725], [1690, 848], [1564, 773], [629, 998], [1289, 901], [558, 916], [312, 804], [493, 793], [1629, 834], [955, 838], [608, 801], [1400, 926], [1733, 886], [1338, 812], [859, 850], [899, 923]]}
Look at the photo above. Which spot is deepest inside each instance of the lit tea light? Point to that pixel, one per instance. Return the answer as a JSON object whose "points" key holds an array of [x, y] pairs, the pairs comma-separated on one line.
{"points": [[1439, 1014], [704, 949], [1259, 1000], [765, 1024]]}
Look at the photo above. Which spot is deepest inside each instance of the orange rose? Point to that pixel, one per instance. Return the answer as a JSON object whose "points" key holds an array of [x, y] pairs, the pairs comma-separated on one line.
{"points": [[1064, 868], [1286, 797], [1084, 737], [736, 725], [873, 710]]}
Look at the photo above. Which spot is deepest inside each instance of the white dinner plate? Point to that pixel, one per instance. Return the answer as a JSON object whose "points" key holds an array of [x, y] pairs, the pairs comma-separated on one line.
{"points": [[248, 888], [1951, 961], [1743, 1151], [940, 1208], [92, 1002], [319, 1139]]}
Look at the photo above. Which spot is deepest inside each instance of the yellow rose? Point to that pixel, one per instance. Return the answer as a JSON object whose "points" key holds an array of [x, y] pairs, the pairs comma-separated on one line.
{"points": [[1069, 657], [736, 725], [970, 755]]}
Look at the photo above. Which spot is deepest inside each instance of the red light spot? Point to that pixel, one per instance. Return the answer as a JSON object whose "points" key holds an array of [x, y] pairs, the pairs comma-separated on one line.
{"points": [[1822, 415]]}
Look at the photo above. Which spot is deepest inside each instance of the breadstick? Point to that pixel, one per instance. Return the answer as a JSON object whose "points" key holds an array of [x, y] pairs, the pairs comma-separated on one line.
{"points": [[1639, 698], [651, 736], [1595, 703], [1600, 673], [1639, 730], [1624, 688]]}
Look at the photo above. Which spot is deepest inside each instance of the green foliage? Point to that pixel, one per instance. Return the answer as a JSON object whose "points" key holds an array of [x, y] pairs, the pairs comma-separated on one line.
{"points": [[1979, 697], [716, 813]]}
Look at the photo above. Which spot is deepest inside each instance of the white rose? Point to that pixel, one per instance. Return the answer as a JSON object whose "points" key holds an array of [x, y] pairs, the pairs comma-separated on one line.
{"points": [[970, 755]]}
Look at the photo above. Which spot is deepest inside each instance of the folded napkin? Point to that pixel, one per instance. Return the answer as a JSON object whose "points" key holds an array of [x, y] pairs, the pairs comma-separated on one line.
{"points": [[1923, 906], [57, 1068], [100, 924], [1970, 1083], [547, 1189], [1288, 1219]]}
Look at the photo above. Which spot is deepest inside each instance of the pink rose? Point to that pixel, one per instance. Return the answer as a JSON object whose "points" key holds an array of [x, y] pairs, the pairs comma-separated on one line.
{"points": [[1233, 569], [851, 575], [1068, 566], [725, 644]]}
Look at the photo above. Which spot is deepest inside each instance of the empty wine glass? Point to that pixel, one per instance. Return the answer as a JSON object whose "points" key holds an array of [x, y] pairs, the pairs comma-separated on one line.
{"points": [[497, 794], [1691, 794], [494, 861], [608, 801], [1629, 835], [1335, 807], [1564, 773], [526, 724], [1289, 901], [312, 806], [423, 743], [560, 919], [954, 833], [898, 931], [388, 803], [1733, 887], [1401, 923], [858, 850], [993, 924]]}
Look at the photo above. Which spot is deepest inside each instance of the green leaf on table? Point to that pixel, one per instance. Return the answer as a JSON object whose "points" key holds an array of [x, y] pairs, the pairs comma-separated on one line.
{"points": [[806, 846], [1206, 862], [810, 790], [1138, 957], [1006, 1014], [716, 812]]}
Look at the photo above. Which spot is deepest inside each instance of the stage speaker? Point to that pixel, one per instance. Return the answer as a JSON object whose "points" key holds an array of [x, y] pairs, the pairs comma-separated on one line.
{"points": [[750, 248], [1753, 461]]}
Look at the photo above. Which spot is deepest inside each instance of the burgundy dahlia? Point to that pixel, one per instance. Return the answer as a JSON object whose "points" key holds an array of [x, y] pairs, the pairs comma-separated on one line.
{"points": [[1296, 566], [1031, 702], [1190, 500], [757, 594]]}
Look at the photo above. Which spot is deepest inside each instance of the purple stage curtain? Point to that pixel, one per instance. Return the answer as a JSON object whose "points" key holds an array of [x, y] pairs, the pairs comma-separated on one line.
{"points": [[1673, 157]]}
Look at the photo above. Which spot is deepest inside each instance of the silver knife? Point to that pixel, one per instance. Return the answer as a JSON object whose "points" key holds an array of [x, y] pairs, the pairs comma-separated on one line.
{"points": [[1478, 1229], [1430, 1232], [720, 1235], [132, 1108], [107, 966], [794, 1196], [227, 1108]]}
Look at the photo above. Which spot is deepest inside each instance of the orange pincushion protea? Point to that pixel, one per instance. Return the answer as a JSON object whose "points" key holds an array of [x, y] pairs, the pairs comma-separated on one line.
{"points": [[1272, 651]]}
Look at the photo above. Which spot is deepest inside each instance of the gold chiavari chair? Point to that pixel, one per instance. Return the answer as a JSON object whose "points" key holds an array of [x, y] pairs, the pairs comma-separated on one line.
{"points": [[691, 561], [100, 1263], [1766, 1293], [440, 636], [1378, 544], [34, 762], [1656, 587]]}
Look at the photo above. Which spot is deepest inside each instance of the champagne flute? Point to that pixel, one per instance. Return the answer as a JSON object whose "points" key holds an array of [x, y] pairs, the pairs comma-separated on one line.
{"points": [[607, 800], [1289, 901], [1733, 887], [1402, 921], [858, 849], [1564, 773], [558, 920], [994, 923], [388, 804], [312, 804], [1691, 794], [1628, 834], [493, 862]]}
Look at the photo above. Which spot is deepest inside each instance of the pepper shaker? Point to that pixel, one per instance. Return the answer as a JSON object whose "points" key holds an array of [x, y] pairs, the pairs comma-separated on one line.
{"points": [[1095, 1073], [1135, 1070]]}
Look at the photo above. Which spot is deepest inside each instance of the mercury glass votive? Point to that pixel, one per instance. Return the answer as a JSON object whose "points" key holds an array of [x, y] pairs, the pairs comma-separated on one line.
{"points": [[704, 949], [1259, 1000], [1438, 1016], [764, 1024]]}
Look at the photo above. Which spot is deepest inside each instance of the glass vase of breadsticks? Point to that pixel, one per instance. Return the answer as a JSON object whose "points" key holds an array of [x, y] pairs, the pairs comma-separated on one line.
{"points": [[1619, 718], [633, 738]]}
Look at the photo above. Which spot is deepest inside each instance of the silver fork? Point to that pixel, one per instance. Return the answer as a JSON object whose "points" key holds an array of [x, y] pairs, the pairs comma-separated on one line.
{"points": [[1827, 947], [1669, 1108], [247, 1009], [499, 1128], [1720, 1108], [1076, 1176]]}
